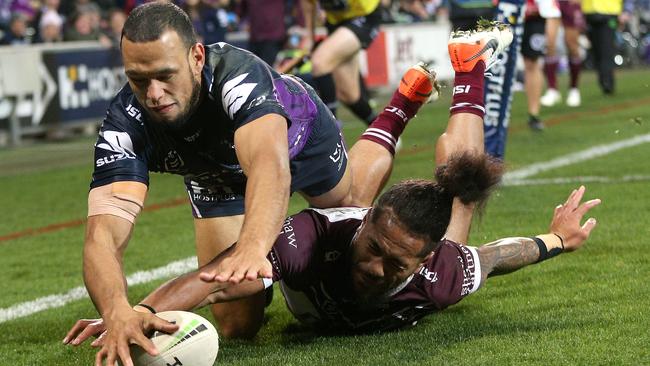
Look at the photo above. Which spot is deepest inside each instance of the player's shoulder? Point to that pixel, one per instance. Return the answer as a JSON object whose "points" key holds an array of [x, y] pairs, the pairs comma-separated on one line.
{"points": [[224, 59], [339, 214], [124, 112]]}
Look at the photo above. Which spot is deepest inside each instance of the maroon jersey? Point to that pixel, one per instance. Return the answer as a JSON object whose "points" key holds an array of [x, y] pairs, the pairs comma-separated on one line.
{"points": [[311, 261]]}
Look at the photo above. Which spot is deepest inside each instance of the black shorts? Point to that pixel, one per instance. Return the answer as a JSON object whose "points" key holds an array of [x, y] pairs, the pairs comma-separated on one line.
{"points": [[533, 42], [317, 169], [366, 28]]}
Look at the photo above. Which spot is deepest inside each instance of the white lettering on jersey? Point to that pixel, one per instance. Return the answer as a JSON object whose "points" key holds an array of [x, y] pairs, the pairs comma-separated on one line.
{"points": [[234, 94], [471, 272], [342, 213], [118, 142]]}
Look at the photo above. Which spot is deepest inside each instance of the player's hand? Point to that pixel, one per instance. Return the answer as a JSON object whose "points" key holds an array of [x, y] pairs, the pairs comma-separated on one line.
{"points": [[236, 264], [84, 329], [568, 216], [127, 327]]}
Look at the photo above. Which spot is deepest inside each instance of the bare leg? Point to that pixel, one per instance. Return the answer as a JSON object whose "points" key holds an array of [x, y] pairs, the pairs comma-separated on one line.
{"points": [[533, 80], [237, 319]]}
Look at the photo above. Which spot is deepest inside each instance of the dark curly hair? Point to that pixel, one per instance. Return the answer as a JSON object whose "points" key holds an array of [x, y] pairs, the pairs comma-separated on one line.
{"points": [[423, 207], [147, 22]]}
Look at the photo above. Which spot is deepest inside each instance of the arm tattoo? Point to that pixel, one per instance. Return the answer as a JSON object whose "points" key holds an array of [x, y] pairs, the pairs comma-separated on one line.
{"points": [[507, 255]]}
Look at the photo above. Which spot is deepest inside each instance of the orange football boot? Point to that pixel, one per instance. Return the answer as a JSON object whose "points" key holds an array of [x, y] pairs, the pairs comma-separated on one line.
{"points": [[419, 84], [467, 48]]}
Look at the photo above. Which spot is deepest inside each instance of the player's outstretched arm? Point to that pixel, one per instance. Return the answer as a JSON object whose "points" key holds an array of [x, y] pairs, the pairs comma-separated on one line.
{"points": [[565, 234], [262, 150], [195, 294]]}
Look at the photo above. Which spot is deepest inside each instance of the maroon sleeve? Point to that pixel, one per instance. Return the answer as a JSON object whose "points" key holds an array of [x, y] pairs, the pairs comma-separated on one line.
{"points": [[292, 252], [453, 272]]}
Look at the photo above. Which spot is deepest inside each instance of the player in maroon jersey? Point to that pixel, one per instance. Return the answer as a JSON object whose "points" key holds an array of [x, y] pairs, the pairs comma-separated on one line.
{"points": [[381, 268]]}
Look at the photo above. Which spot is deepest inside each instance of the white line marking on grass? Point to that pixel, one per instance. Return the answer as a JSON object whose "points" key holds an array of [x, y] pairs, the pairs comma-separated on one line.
{"points": [[585, 179], [574, 158], [55, 301]]}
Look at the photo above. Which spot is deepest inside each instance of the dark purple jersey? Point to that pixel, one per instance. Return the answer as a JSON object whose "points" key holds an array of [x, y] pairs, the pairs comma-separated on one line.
{"points": [[239, 88], [310, 260]]}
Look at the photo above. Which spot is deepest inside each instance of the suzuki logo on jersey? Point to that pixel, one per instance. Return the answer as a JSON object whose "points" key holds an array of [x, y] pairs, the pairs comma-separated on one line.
{"points": [[118, 142], [234, 94]]}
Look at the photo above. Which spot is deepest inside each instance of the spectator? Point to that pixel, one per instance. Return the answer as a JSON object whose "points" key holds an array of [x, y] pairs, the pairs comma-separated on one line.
{"points": [[84, 26], [18, 32], [206, 21], [50, 27], [47, 6], [266, 27], [116, 19]]}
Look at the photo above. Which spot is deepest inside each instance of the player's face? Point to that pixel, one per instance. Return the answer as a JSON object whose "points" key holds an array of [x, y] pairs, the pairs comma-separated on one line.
{"points": [[165, 76], [384, 255]]}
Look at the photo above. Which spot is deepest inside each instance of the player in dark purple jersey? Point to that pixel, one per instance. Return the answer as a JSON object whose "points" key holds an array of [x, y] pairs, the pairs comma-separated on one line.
{"points": [[373, 269], [241, 135]]}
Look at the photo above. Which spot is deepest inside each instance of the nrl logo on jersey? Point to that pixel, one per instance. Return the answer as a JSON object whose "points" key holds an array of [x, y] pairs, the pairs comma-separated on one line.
{"points": [[117, 142], [235, 93]]}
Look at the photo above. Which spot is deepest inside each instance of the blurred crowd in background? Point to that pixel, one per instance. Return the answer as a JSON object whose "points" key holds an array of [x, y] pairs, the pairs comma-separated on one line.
{"points": [[51, 21]]}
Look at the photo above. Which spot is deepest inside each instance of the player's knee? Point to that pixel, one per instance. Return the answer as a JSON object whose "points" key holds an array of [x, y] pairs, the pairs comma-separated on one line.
{"points": [[238, 330], [347, 96]]}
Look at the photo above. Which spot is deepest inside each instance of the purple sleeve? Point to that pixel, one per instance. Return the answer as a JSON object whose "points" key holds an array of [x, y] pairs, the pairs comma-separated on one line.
{"points": [[453, 272], [293, 250]]}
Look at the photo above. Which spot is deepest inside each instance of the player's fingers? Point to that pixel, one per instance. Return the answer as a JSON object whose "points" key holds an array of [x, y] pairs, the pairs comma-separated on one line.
{"points": [[238, 276], [145, 343], [588, 226], [574, 199], [267, 270], [585, 207], [162, 325], [569, 198], [90, 330], [251, 274], [100, 356], [224, 276], [207, 276], [99, 341], [79, 326]]}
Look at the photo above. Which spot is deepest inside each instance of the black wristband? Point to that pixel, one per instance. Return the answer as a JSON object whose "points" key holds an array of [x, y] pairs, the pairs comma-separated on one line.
{"points": [[544, 253], [153, 311], [561, 240]]}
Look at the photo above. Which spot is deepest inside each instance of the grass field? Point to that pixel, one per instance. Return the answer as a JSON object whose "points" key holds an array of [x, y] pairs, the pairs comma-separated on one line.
{"points": [[585, 308]]}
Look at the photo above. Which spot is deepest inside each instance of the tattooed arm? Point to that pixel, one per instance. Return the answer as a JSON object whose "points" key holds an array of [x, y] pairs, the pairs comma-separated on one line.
{"points": [[565, 235]]}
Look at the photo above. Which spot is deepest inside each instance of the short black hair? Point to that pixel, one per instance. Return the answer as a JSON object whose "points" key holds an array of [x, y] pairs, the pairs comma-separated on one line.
{"points": [[423, 207], [147, 22]]}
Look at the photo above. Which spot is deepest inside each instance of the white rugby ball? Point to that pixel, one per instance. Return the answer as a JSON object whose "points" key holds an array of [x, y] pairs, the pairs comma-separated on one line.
{"points": [[195, 343]]}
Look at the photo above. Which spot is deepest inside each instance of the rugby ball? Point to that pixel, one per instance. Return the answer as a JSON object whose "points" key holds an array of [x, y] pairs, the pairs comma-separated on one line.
{"points": [[195, 343]]}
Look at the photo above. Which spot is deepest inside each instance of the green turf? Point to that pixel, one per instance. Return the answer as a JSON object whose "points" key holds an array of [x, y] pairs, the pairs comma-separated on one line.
{"points": [[583, 308]]}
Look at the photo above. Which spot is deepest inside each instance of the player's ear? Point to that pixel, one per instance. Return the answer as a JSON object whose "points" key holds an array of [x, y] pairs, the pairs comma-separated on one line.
{"points": [[197, 57]]}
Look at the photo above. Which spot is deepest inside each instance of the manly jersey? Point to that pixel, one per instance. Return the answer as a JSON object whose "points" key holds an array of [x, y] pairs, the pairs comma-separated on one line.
{"points": [[310, 261], [238, 88]]}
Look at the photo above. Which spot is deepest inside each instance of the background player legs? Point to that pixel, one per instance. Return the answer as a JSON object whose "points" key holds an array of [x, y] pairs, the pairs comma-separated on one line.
{"points": [[551, 62], [533, 84], [571, 36], [237, 319], [338, 55]]}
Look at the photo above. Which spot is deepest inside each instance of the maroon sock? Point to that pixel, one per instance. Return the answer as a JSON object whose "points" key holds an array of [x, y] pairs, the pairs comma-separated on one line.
{"points": [[550, 69], [390, 123], [468, 91], [574, 69]]}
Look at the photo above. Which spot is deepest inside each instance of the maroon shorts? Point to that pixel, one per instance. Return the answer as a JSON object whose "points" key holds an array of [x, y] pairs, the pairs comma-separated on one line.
{"points": [[572, 15]]}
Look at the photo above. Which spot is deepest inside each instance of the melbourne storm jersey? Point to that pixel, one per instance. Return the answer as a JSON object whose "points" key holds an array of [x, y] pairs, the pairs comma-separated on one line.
{"points": [[237, 89], [310, 261]]}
